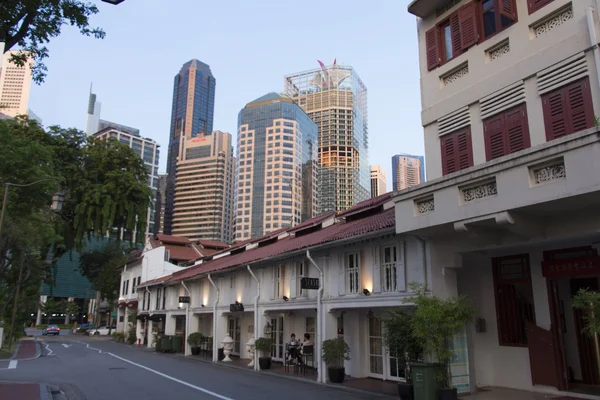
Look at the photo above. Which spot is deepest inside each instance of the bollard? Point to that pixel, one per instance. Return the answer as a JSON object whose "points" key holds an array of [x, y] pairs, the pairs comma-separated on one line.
{"points": [[139, 342]]}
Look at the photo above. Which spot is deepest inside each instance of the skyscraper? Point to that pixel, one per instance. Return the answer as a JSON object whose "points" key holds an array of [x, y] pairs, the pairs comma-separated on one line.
{"points": [[15, 85], [276, 179], [191, 116], [407, 170], [336, 100], [159, 214], [203, 203], [378, 183], [148, 150]]}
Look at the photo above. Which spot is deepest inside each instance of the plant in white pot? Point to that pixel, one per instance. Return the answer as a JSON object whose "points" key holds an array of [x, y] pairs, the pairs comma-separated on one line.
{"points": [[399, 338], [194, 340], [335, 351], [435, 321], [263, 346]]}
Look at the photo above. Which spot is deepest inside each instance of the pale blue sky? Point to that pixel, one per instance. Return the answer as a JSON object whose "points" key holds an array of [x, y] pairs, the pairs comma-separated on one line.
{"points": [[250, 46]]}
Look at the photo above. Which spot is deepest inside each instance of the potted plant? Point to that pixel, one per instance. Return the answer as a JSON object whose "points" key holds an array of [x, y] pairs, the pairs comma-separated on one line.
{"points": [[263, 346], [398, 337], [434, 322], [335, 351], [589, 302], [194, 340]]}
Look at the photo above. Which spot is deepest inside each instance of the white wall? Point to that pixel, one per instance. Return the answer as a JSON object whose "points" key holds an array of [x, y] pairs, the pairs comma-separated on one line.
{"points": [[571, 348]]}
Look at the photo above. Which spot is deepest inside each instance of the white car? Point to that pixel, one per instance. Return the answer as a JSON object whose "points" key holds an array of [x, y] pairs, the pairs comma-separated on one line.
{"points": [[102, 330]]}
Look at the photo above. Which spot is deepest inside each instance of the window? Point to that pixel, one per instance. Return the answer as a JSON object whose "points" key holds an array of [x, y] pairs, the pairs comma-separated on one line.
{"points": [[457, 151], [496, 15], [535, 5], [232, 282], [310, 325], [144, 302], [389, 264], [158, 295], [352, 273], [514, 299], [164, 298], [278, 277], [568, 109], [299, 275], [506, 133]]}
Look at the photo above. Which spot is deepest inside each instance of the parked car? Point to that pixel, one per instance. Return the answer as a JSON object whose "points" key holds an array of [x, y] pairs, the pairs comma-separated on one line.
{"points": [[102, 330], [82, 328], [51, 330]]}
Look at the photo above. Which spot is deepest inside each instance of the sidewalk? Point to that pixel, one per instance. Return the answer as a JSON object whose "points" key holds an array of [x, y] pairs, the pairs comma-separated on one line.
{"points": [[26, 350], [23, 391]]}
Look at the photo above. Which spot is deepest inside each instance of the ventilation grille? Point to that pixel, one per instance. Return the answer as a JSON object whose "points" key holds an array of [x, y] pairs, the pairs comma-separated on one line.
{"points": [[566, 71], [454, 121], [502, 100]]}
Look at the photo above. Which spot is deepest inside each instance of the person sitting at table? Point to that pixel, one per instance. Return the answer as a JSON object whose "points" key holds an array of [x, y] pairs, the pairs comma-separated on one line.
{"points": [[306, 342], [293, 348]]}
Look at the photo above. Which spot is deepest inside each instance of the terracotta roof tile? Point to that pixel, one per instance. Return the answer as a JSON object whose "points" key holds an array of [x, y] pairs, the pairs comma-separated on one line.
{"points": [[182, 253], [173, 239], [364, 205], [213, 243]]}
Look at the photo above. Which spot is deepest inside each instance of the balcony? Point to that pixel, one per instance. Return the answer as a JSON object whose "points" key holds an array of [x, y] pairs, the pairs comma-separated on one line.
{"points": [[520, 192]]}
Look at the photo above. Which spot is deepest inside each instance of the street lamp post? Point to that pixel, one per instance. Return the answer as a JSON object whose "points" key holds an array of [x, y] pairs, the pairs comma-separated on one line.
{"points": [[57, 202]]}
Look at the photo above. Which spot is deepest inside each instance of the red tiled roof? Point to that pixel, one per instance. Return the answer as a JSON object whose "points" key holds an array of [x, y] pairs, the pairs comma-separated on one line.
{"points": [[213, 243], [338, 231], [173, 239], [182, 253], [312, 222], [162, 279], [363, 205]]}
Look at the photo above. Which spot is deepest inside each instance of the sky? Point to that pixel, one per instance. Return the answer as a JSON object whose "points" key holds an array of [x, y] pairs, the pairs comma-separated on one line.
{"points": [[250, 46]]}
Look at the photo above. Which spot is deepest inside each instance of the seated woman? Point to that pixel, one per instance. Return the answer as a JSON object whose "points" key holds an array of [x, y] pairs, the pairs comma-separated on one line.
{"points": [[293, 348], [306, 342]]}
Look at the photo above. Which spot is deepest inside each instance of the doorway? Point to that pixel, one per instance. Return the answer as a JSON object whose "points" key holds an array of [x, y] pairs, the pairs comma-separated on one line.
{"points": [[278, 343], [384, 363], [235, 332]]}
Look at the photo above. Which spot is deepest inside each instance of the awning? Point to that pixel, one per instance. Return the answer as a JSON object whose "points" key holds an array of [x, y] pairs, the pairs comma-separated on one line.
{"points": [[132, 303], [143, 316], [122, 304], [157, 317]]}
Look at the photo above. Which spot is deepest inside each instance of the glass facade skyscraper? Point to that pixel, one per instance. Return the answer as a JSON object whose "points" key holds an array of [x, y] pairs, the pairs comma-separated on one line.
{"points": [[336, 100], [191, 115], [276, 179]]}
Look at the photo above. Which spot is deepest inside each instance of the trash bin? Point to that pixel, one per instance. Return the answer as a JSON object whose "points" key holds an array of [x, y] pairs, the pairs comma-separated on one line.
{"points": [[176, 342], [425, 382], [167, 344], [158, 343]]}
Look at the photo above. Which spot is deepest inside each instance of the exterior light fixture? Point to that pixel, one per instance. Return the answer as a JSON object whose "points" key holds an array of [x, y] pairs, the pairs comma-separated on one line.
{"points": [[285, 298], [366, 292], [57, 201], [203, 305], [113, 2]]}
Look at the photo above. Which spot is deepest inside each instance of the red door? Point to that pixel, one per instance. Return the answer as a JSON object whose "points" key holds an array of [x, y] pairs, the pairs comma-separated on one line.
{"points": [[541, 356]]}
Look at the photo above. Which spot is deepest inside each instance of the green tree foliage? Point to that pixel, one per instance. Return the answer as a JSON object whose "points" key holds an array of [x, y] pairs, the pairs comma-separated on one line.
{"points": [[435, 321], [99, 267], [105, 185], [589, 302], [31, 24]]}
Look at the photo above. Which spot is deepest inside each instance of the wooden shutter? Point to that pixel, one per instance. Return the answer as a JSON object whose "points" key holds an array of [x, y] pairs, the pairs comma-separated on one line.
{"points": [[568, 110], [293, 284], [457, 151], [272, 291], [508, 9], [377, 261], [457, 47], [342, 274], [432, 43], [467, 18], [535, 5], [580, 108], [517, 129], [494, 135]]}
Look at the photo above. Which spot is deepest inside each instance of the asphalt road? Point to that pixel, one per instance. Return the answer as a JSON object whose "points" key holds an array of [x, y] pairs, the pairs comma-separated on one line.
{"points": [[99, 369]]}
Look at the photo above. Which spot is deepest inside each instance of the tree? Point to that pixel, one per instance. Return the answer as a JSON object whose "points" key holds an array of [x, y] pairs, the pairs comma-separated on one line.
{"points": [[100, 268], [51, 307], [71, 308], [31, 24]]}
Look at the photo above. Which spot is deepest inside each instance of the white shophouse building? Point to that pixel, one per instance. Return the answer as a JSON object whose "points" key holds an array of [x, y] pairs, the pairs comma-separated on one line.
{"points": [[361, 266], [510, 212]]}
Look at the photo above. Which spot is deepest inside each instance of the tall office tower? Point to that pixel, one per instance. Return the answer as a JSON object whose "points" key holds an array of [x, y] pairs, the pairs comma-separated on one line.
{"points": [[95, 124], [159, 213], [148, 150], [378, 184], [407, 170], [335, 98], [203, 203], [276, 179], [191, 116], [15, 85]]}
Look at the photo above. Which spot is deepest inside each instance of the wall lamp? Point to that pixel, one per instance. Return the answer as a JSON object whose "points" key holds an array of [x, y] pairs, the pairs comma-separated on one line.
{"points": [[366, 292], [203, 305], [113, 2], [285, 298]]}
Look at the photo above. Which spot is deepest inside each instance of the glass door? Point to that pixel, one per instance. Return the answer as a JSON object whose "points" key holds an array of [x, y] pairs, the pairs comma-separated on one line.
{"points": [[397, 366], [236, 334], [277, 351], [375, 348]]}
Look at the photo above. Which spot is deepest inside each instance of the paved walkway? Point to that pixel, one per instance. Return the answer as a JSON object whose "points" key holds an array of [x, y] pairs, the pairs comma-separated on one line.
{"points": [[27, 348], [23, 391]]}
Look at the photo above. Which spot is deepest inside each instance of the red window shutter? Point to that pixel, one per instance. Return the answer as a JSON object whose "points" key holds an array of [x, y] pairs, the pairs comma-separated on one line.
{"points": [[554, 105], [494, 135], [535, 5], [467, 18], [457, 48], [432, 42], [517, 129], [580, 108], [457, 151], [508, 9]]}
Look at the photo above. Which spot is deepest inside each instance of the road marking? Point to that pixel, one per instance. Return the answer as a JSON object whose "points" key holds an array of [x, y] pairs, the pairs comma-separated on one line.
{"points": [[91, 348], [66, 346], [50, 350], [12, 364], [198, 388]]}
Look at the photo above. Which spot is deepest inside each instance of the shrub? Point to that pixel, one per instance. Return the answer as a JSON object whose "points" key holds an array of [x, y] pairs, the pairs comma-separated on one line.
{"points": [[195, 339], [132, 336], [335, 351], [263, 345]]}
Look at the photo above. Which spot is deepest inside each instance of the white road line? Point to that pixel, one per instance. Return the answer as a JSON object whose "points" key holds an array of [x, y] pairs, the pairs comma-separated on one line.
{"points": [[91, 348], [198, 388], [13, 364], [50, 350]]}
